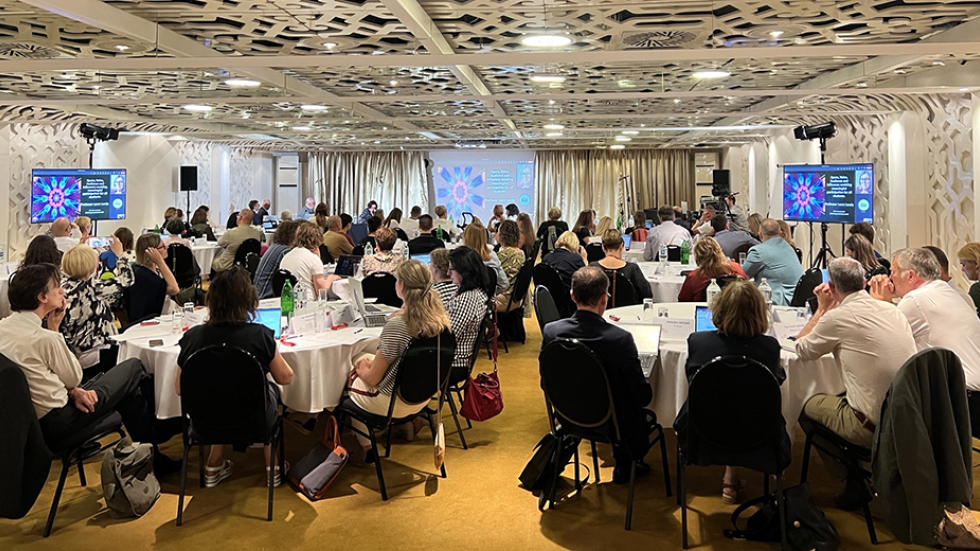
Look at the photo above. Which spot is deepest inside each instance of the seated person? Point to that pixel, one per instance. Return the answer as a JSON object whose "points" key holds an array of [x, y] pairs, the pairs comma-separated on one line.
{"points": [[425, 243], [303, 260], [584, 227], [373, 224], [511, 259], [200, 225], [346, 221], [551, 230], [740, 314], [475, 237], [666, 233], [60, 230], [616, 350], [233, 238], [373, 377], [88, 321], [125, 238], [858, 248], [439, 268], [282, 243], [944, 273], [468, 308], [639, 230], [448, 229], [712, 263], [153, 281], [567, 257], [939, 318], [64, 406], [775, 260], [969, 256], [612, 245], [384, 258], [728, 238], [41, 250], [335, 239], [870, 341], [232, 303]]}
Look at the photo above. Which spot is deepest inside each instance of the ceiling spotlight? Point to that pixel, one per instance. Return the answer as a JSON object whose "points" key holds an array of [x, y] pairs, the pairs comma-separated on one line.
{"points": [[242, 83], [546, 40], [553, 134], [643, 125], [775, 34], [301, 128], [862, 85], [625, 83], [329, 44], [548, 79], [630, 132], [623, 139], [197, 108], [964, 89], [553, 126], [899, 71], [313, 107], [617, 146], [551, 102], [96, 87], [938, 63], [677, 100], [393, 82], [711, 74], [122, 47]]}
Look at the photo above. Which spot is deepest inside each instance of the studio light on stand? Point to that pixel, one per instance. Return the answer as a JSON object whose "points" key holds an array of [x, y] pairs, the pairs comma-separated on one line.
{"points": [[823, 132], [94, 134]]}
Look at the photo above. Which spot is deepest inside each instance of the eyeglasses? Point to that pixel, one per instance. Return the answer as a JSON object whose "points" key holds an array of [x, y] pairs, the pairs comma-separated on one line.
{"points": [[450, 269], [161, 247]]}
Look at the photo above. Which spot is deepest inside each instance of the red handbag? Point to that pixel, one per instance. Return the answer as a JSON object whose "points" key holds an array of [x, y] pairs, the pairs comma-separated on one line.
{"points": [[483, 399]]}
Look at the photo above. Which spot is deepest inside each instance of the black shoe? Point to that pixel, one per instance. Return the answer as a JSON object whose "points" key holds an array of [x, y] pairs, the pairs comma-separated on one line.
{"points": [[621, 475], [855, 496], [163, 465]]}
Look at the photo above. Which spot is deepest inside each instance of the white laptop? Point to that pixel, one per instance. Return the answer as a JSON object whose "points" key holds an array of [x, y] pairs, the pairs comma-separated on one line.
{"points": [[372, 315], [647, 339]]}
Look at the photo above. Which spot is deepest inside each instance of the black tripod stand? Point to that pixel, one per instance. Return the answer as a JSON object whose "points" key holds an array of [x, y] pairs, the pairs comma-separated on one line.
{"points": [[825, 253]]}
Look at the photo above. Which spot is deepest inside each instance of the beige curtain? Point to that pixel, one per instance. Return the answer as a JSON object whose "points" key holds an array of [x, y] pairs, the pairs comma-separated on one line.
{"points": [[347, 180], [593, 179]]}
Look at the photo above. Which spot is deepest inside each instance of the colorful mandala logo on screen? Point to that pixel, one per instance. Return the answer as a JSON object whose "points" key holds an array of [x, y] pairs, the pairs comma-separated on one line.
{"points": [[55, 196], [457, 189], [803, 196]]}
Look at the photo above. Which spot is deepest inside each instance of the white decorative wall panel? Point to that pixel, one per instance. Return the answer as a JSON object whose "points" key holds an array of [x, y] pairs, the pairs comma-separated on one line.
{"points": [[242, 177]]}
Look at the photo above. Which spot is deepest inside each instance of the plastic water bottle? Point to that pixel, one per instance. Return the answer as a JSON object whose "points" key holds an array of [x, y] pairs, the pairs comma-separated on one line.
{"points": [[766, 291], [3, 255], [685, 252], [712, 292], [405, 251], [416, 233], [663, 254], [177, 322], [286, 301], [368, 249]]}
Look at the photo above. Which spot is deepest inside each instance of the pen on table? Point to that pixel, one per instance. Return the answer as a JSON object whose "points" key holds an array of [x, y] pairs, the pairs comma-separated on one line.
{"points": [[359, 330]]}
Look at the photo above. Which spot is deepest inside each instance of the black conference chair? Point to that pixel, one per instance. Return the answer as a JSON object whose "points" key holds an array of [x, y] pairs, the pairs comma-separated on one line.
{"points": [[581, 405], [381, 286], [358, 250], [621, 291], [400, 233], [536, 249], [751, 433], [510, 322], [247, 246], [224, 396], [809, 281], [358, 232], [325, 255], [251, 264], [743, 248], [279, 278], [673, 253], [544, 306], [491, 282], [594, 252], [546, 276], [423, 372], [180, 260]]}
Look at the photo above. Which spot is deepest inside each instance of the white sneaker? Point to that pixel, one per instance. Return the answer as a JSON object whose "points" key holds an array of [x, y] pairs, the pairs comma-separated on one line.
{"points": [[277, 480], [214, 475]]}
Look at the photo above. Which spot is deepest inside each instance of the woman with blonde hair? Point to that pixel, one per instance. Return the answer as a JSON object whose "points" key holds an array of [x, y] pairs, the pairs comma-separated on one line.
{"points": [[605, 224], [567, 257], [712, 263], [475, 237], [755, 224], [84, 224], [740, 314], [171, 212], [787, 233], [969, 256], [373, 378], [384, 258]]}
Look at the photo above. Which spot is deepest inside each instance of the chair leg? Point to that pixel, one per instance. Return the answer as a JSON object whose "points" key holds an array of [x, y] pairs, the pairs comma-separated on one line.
{"points": [[781, 505], [870, 522], [388, 441], [273, 453], [377, 465], [459, 394], [459, 429], [200, 464], [679, 464], [663, 459], [682, 495], [578, 482], [629, 498], [183, 486], [765, 484], [595, 461], [282, 446], [806, 459], [557, 473], [57, 497], [81, 471]]}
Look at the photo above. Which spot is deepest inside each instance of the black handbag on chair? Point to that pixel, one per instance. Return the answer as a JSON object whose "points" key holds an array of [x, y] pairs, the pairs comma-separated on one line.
{"points": [[806, 526]]}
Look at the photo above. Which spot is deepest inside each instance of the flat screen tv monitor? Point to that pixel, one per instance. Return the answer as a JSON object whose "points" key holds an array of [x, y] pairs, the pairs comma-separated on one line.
{"points": [[842, 194], [99, 193]]}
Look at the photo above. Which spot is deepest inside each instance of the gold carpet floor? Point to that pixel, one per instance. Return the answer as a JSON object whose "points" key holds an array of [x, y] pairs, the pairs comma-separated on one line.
{"points": [[479, 506]]}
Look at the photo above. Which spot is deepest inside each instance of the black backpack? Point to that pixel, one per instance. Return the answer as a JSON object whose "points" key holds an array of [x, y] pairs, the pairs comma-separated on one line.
{"points": [[806, 526]]}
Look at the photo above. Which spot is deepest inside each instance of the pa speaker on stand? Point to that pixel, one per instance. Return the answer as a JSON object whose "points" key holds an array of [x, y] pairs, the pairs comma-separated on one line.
{"points": [[188, 183]]}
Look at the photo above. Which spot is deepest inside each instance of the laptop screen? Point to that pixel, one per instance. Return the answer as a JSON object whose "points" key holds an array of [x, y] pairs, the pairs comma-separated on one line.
{"points": [[702, 319], [423, 258], [271, 318], [626, 240], [347, 265], [649, 224]]}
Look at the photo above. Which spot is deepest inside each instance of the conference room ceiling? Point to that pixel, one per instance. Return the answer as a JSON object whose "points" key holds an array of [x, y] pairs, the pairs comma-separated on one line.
{"points": [[408, 74]]}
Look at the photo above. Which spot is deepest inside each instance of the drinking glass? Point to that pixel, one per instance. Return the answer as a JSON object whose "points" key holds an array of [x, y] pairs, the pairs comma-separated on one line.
{"points": [[647, 309], [322, 295], [177, 322]]}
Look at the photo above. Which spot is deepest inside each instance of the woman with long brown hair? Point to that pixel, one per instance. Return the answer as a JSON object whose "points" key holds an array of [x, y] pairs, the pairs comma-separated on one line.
{"points": [[712, 263], [860, 249], [584, 226], [527, 233]]}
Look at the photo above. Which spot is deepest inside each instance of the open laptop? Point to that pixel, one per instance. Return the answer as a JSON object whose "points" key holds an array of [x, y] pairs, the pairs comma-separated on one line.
{"points": [[423, 258], [271, 318], [372, 315], [626, 240], [647, 339], [347, 265], [702, 319]]}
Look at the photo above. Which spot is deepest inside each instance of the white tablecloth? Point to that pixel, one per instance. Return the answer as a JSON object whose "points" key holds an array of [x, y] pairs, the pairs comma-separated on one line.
{"points": [[5, 271], [204, 253], [665, 284], [804, 379], [320, 362]]}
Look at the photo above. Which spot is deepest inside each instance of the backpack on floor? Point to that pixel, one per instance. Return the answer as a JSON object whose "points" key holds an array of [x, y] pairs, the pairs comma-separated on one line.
{"points": [[313, 474], [128, 483], [806, 526]]}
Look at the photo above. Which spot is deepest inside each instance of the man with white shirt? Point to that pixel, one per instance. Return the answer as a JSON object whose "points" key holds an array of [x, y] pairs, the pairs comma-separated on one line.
{"points": [[60, 229], [944, 274], [666, 233], [410, 225], [870, 341], [442, 222], [937, 315]]}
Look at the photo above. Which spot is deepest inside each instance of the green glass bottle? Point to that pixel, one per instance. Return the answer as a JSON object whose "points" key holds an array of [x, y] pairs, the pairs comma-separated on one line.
{"points": [[685, 253], [286, 301]]}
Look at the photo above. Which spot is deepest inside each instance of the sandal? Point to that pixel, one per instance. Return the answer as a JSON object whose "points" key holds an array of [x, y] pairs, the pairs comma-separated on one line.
{"points": [[214, 475], [277, 480], [732, 493]]}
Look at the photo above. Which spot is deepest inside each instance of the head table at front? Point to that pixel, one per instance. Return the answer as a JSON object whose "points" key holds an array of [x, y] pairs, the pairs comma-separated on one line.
{"points": [[321, 363], [804, 379]]}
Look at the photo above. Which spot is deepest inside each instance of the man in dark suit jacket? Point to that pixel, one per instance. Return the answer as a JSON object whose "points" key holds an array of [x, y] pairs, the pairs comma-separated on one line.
{"points": [[615, 348], [425, 243]]}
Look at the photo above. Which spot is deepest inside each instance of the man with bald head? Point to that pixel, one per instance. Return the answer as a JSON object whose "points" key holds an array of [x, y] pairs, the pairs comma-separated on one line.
{"points": [[335, 239], [60, 229], [775, 260], [233, 238]]}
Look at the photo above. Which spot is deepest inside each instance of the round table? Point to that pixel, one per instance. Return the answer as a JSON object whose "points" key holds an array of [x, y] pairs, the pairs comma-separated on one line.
{"points": [[666, 283], [804, 379], [204, 252], [321, 363]]}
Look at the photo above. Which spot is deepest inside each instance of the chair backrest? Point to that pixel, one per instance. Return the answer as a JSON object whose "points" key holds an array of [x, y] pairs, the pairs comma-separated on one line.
{"points": [[673, 253], [491, 281], [594, 252], [809, 281], [358, 232], [575, 385], [325, 255], [547, 276], [734, 404], [358, 251], [23, 453], [425, 368], [522, 282], [743, 248], [381, 285], [544, 306], [223, 394], [251, 264], [180, 260], [247, 246], [401, 234], [621, 291], [279, 278], [483, 335], [536, 249]]}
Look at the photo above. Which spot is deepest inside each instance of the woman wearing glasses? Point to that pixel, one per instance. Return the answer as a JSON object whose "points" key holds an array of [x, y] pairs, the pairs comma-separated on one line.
{"points": [[154, 281]]}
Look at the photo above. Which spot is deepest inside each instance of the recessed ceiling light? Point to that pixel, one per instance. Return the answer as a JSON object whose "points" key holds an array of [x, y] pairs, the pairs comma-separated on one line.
{"points": [[551, 102], [617, 146], [328, 44], [643, 125], [711, 74], [313, 107], [549, 79], [625, 83], [775, 34], [96, 87], [862, 85], [122, 47], [623, 139], [553, 134], [899, 71], [393, 82], [677, 100], [546, 40], [377, 142], [301, 128], [630, 132], [553, 126], [964, 89], [197, 108], [242, 83], [66, 75], [939, 63]]}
